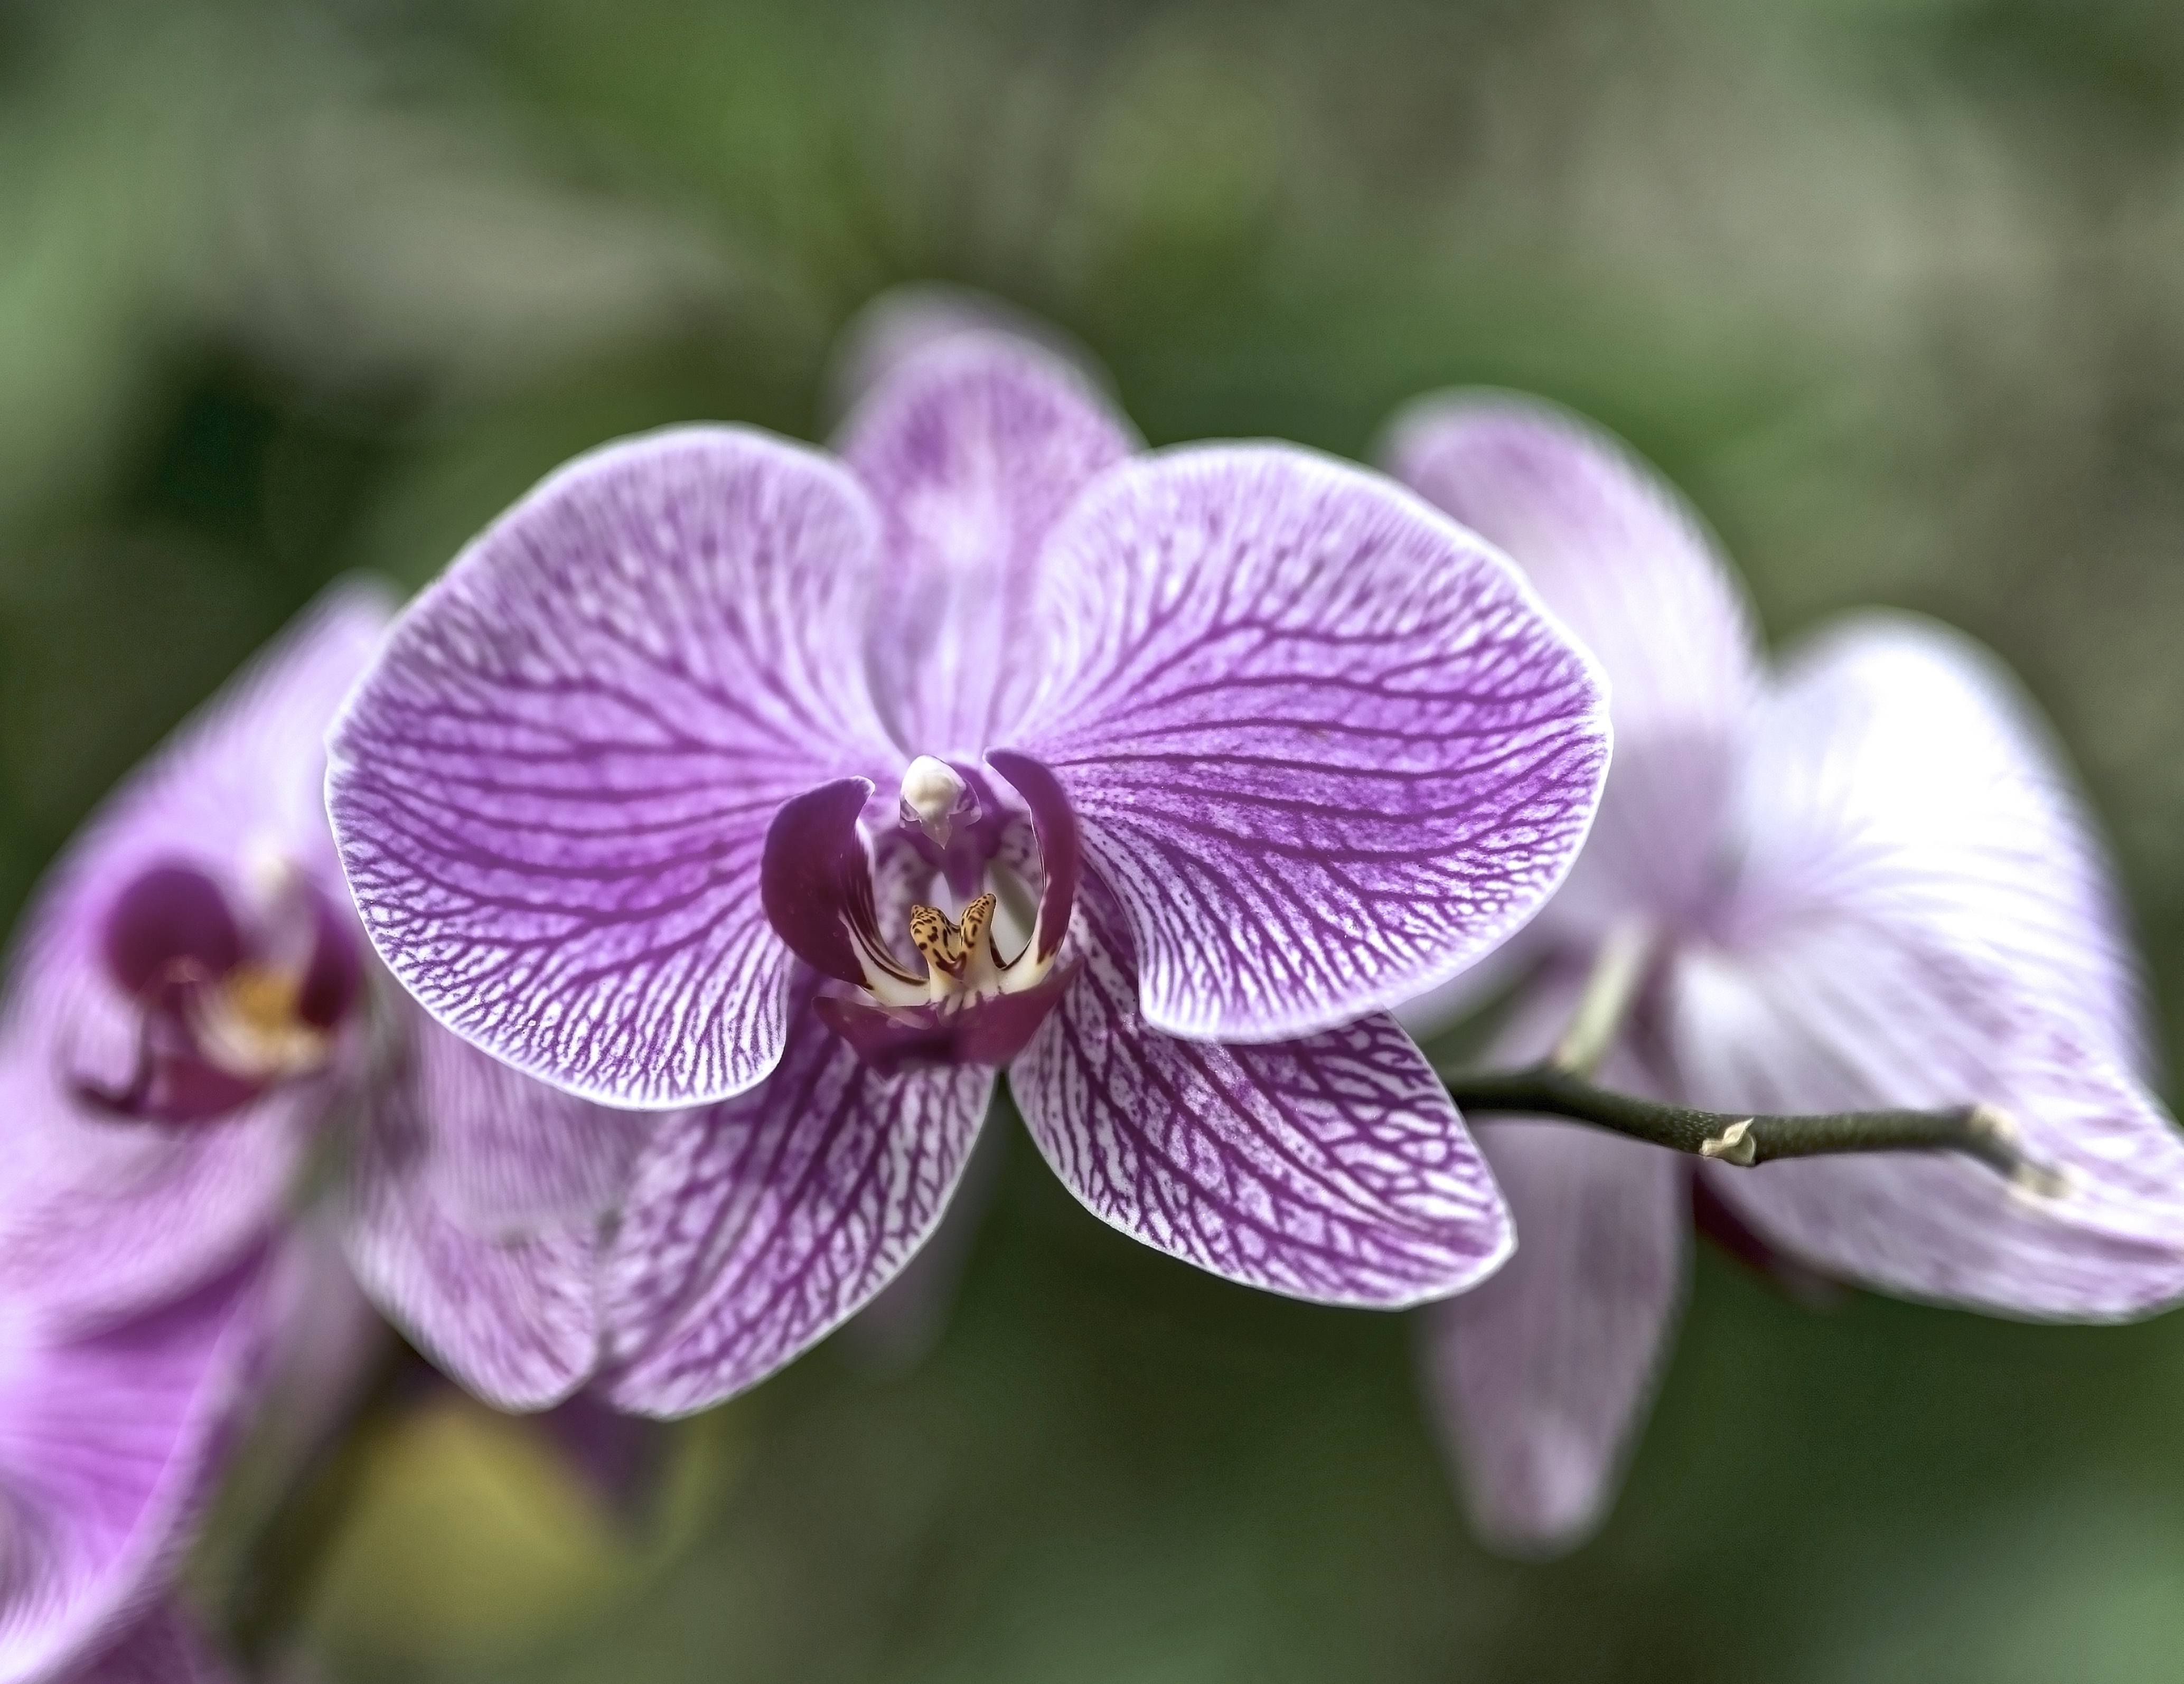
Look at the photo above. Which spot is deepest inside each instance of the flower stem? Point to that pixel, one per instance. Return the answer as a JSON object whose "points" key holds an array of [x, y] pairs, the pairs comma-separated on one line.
{"points": [[1985, 1132]]}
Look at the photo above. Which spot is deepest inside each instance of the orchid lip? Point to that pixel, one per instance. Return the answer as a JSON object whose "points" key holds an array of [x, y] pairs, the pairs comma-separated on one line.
{"points": [[816, 888], [227, 1006]]}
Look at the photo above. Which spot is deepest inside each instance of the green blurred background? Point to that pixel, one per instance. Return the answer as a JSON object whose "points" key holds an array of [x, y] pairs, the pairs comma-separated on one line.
{"points": [[1895, 288]]}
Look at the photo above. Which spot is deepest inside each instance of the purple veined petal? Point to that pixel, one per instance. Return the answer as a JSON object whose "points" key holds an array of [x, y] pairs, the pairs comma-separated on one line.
{"points": [[513, 1316], [1841, 1016], [509, 1156], [100, 1218], [553, 790], [1631, 570], [908, 320], [900, 1326], [108, 1444], [756, 1226], [972, 447], [1325, 747], [164, 1647], [1900, 777], [1332, 1169], [1541, 1375]]}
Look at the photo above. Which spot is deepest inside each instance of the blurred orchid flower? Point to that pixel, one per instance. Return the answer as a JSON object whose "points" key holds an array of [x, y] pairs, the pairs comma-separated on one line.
{"points": [[111, 1440], [184, 1007], [187, 1014], [185, 999], [793, 797], [1863, 881]]}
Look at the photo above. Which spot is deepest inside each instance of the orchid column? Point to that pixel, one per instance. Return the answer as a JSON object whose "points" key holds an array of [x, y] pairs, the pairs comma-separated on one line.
{"points": [[720, 778]]}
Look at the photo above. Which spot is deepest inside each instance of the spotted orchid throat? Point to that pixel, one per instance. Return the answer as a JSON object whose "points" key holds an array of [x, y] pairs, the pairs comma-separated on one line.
{"points": [[979, 1000]]}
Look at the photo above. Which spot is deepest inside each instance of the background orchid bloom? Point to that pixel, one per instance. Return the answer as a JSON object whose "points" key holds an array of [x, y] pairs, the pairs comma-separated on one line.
{"points": [[184, 1015], [1864, 881], [184, 995], [792, 796], [111, 1440], [186, 1022]]}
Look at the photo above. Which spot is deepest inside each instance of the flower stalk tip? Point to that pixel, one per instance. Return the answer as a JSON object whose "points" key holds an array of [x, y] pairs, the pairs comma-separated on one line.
{"points": [[1980, 1131]]}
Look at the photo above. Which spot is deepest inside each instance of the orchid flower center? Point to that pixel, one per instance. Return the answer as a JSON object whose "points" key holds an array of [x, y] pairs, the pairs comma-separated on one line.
{"points": [[989, 972], [233, 992]]}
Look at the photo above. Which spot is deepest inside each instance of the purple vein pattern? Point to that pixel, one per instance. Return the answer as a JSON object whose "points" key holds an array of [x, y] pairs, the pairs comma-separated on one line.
{"points": [[1315, 748], [756, 1226], [1325, 749], [100, 1216], [1870, 883], [1330, 1168], [553, 793], [494, 1274], [972, 466]]}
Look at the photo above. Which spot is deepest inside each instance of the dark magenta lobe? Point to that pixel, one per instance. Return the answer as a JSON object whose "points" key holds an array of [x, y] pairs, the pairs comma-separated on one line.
{"points": [[334, 977], [170, 921], [171, 942], [990, 1030]]}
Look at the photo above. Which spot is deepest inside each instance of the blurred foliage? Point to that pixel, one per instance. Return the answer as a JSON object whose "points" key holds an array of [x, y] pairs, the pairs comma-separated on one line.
{"points": [[1895, 288]]}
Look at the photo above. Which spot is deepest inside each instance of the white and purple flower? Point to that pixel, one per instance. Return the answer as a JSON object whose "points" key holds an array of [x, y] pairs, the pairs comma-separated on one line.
{"points": [[188, 1019], [1862, 881], [793, 796]]}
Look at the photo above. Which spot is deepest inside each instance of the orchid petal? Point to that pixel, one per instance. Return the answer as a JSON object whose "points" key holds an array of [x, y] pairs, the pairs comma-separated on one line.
{"points": [[1543, 1373], [1900, 778], [972, 446], [906, 1320], [553, 791], [756, 1226], [106, 1447], [512, 1314], [1628, 566], [906, 322], [1923, 917], [100, 1218], [1323, 744], [1847, 1016], [1332, 1169], [1061, 847], [510, 1156]]}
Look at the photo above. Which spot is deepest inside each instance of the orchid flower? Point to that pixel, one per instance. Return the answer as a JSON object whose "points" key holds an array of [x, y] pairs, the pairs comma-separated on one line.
{"points": [[186, 1024], [183, 1005], [185, 997], [1863, 881], [792, 796]]}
